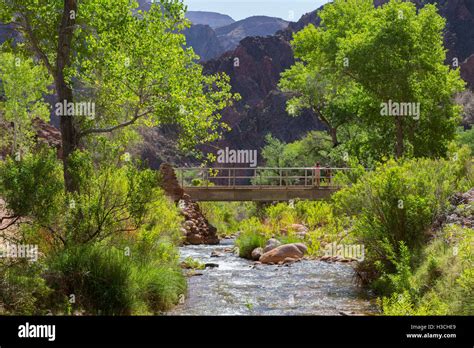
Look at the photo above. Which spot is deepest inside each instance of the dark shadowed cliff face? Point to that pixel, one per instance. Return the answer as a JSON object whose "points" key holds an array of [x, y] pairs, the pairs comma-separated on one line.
{"points": [[204, 41], [268, 116], [460, 35], [254, 68]]}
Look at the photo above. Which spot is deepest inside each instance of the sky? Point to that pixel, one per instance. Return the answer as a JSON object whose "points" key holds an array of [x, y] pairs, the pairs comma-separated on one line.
{"points": [[290, 10]]}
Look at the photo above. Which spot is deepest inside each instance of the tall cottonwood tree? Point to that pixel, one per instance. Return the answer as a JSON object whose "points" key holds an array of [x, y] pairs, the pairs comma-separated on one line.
{"points": [[370, 56], [132, 64]]}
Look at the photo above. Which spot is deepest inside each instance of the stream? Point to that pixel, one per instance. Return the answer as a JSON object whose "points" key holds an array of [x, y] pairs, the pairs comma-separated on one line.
{"points": [[238, 287]]}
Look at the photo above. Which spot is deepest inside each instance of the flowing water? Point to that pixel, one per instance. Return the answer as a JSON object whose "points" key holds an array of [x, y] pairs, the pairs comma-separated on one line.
{"points": [[238, 287]]}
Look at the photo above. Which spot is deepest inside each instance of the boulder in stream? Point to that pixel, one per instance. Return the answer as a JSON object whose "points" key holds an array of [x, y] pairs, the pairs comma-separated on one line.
{"points": [[271, 244], [256, 254], [284, 254]]}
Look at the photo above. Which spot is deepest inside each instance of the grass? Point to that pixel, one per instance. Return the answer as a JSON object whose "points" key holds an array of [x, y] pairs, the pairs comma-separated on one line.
{"points": [[190, 263], [227, 216], [443, 284], [104, 281], [99, 279], [254, 234]]}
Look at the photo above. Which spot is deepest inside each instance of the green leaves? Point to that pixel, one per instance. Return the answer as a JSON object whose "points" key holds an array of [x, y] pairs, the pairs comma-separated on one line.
{"points": [[22, 86], [362, 57], [33, 187], [140, 74], [132, 64]]}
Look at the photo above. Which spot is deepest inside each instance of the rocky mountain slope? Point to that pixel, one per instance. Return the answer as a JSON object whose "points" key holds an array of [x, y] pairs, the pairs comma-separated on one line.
{"points": [[210, 42], [230, 35], [212, 19], [203, 39], [261, 60]]}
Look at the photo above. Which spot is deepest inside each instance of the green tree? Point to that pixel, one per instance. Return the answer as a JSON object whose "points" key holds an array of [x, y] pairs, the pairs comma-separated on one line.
{"points": [[131, 64], [367, 57], [22, 86]]}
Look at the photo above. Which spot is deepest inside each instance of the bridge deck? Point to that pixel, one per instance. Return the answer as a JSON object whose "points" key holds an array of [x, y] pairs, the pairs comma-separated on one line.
{"points": [[258, 193], [259, 184]]}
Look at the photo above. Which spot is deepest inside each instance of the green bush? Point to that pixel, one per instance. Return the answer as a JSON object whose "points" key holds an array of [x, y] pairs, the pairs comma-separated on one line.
{"points": [[109, 281], [158, 287], [226, 216], [315, 213], [398, 203], [98, 277], [23, 290], [443, 284], [280, 216], [33, 186], [466, 137], [253, 235]]}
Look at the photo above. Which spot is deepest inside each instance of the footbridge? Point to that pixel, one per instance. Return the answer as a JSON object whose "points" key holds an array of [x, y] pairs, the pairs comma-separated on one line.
{"points": [[260, 184]]}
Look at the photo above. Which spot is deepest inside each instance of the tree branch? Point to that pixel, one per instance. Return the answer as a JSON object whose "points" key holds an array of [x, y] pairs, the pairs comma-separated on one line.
{"points": [[135, 118], [9, 224], [34, 43]]}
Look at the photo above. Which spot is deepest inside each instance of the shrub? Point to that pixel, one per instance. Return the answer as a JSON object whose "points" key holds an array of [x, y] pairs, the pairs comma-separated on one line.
{"points": [[281, 215], [398, 202], [158, 287], [107, 281], [466, 137], [226, 216], [98, 277], [288, 238], [23, 291], [253, 235], [33, 186], [443, 284], [315, 214]]}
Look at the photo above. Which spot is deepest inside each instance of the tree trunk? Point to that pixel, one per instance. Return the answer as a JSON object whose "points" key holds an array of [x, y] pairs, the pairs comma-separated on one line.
{"points": [[69, 134], [333, 133], [331, 130], [399, 147]]}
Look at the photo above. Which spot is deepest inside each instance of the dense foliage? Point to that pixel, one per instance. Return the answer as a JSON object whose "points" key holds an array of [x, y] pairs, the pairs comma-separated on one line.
{"points": [[361, 58]]}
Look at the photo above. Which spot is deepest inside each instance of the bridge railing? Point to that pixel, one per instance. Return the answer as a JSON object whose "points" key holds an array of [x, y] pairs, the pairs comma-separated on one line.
{"points": [[260, 177]]}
